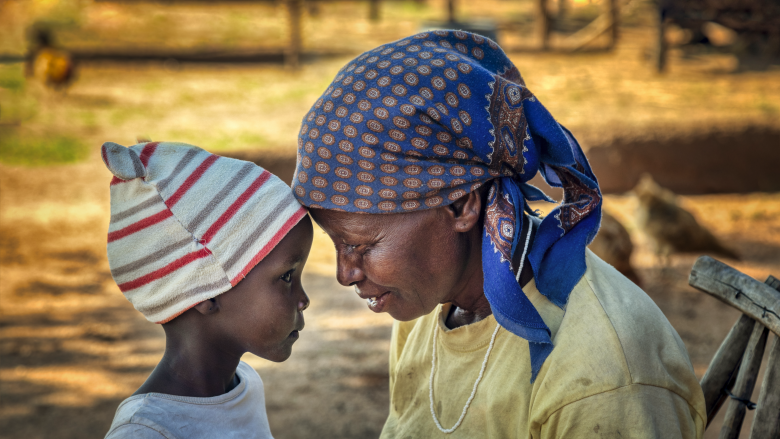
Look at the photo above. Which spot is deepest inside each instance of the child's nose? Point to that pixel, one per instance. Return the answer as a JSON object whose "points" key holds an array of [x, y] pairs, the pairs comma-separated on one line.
{"points": [[303, 303]]}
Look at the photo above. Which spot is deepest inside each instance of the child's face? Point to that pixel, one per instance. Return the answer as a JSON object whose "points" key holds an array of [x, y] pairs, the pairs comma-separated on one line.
{"points": [[264, 312]]}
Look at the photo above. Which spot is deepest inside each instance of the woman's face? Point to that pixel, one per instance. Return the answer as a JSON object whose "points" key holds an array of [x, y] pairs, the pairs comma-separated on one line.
{"points": [[403, 264]]}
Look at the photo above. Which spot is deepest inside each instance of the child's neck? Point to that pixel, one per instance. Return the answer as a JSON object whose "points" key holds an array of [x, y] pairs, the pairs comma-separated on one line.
{"points": [[193, 365]]}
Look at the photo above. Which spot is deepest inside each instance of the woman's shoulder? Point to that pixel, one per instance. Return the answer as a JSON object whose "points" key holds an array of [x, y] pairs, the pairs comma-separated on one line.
{"points": [[650, 346], [613, 335]]}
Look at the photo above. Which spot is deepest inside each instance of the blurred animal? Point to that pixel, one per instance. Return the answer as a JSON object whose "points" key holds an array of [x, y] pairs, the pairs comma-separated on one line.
{"points": [[614, 246], [51, 66], [671, 228]]}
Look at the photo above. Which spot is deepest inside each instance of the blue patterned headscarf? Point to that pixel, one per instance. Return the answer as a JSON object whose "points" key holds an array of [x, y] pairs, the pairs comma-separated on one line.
{"points": [[419, 123]]}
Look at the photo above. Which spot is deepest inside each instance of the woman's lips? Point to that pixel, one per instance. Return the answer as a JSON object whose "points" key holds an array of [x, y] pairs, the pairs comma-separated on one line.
{"points": [[377, 304]]}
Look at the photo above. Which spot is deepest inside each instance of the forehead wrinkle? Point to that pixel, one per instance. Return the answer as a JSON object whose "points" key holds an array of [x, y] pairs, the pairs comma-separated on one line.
{"points": [[354, 226], [350, 227]]}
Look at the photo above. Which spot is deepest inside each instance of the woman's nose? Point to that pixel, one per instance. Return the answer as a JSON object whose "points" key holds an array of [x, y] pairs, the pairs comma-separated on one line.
{"points": [[348, 272]]}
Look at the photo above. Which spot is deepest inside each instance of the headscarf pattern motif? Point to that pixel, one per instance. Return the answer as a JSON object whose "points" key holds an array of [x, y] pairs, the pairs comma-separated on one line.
{"points": [[419, 123]]}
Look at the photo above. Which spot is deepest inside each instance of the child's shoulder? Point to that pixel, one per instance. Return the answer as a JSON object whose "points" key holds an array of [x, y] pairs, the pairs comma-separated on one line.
{"points": [[134, 431], [157, 415], [126, 424]]}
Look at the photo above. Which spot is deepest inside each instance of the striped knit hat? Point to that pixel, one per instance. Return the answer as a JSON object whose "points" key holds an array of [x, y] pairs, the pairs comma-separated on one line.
{"points": [[187, 225]]}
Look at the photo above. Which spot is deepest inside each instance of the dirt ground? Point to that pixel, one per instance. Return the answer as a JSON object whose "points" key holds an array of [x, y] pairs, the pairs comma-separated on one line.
{"points": [[71, 346]]}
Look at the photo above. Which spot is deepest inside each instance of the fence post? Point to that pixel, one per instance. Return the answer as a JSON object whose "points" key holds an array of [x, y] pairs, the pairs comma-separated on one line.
{"points": [[450, 11], [293, 53], [661, 49], [373, 10], [614, 15], [543, 23]]}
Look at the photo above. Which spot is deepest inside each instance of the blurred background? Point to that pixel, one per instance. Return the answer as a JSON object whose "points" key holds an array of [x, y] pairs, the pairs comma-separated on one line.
{"points": [[676, 103]]}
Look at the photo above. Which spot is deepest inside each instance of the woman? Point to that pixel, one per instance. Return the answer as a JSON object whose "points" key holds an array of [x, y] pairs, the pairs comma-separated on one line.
{"points": [[415, 161]]}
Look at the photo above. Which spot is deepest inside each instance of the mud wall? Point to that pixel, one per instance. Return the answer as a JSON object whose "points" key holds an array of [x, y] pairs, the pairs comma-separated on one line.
{"points": [[709, 163]]}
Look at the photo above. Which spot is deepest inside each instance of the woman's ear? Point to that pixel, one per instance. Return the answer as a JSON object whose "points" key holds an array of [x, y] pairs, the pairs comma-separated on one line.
{"points": [[466, 211], [208, 307]]}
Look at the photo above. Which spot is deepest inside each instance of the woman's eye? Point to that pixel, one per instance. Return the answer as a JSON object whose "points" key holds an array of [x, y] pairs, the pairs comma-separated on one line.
{"points": [[287, 277]]}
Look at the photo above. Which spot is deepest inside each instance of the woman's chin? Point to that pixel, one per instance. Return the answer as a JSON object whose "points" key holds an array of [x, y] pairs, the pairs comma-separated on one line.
{"points": [[404, 313]]}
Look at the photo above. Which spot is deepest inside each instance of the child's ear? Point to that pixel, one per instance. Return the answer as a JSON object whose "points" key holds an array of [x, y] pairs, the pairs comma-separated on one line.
{"points": [[208, 307]]}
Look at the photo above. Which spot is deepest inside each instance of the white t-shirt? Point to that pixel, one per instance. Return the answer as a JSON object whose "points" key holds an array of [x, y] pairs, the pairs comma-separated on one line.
{"points": [[239, 413]]}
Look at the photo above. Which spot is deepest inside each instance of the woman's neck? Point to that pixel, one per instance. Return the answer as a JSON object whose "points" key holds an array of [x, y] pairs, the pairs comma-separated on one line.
{"points": [[472, 306]]}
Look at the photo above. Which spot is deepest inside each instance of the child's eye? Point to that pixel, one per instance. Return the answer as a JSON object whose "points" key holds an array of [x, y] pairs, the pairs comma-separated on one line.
{"points": [[287, 277]]}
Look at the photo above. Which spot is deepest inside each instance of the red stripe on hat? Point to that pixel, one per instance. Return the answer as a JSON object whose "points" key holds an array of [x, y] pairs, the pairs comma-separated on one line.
{"points": [[140, 225], [225, 217], [162, 272], [117, 180], [103, 154], [147, 152], [191, 180], [271, 244]]}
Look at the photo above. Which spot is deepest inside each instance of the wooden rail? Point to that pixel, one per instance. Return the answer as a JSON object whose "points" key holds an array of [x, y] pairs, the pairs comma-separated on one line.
{"points": [[746, 381], [742, 350], [758, 300], [607, 22], [766, 423], [291, 54], [724, 364]]}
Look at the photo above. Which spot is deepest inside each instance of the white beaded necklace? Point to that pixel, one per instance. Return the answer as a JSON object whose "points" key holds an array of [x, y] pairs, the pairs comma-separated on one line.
{"points": [[484, 362]]}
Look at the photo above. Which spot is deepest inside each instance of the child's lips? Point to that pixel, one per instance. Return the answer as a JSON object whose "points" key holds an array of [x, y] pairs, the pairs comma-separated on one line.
{"points": [[296, 333]]}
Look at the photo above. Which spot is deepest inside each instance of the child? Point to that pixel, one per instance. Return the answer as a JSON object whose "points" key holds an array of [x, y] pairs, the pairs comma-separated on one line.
{"points": [[212, 248]]}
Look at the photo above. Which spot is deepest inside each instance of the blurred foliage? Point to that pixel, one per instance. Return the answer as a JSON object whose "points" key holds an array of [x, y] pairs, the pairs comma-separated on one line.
{"points": [[30, 149], [16, 104], [11, 82]]}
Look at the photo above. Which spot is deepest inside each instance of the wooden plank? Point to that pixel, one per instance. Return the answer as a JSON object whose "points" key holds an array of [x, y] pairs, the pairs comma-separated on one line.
{"points": [[773, 282], [724, 364], [721, 373], [766, 424], [746, 381], [260, 55], [608, 21], [756, 299], [589, 33]]}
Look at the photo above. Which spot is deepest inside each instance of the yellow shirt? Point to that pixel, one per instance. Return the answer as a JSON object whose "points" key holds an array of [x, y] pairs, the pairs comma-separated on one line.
{"points": [[618, 370]]}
